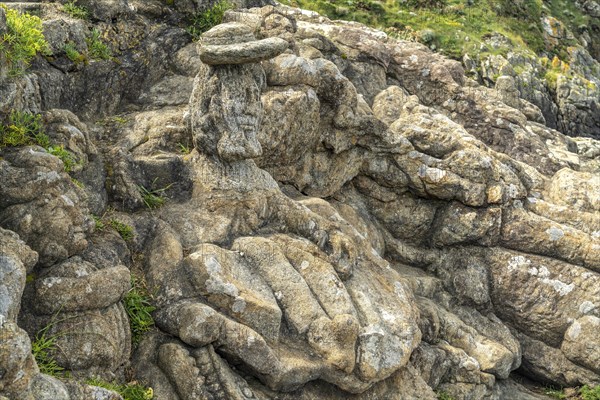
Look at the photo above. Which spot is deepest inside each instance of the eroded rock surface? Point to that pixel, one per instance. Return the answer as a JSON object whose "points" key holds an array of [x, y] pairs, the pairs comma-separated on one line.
{"points": [[346, 216]]}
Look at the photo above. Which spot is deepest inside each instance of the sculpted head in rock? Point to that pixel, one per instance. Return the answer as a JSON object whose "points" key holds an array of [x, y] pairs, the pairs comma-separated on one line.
{"points": [[226, 108]]}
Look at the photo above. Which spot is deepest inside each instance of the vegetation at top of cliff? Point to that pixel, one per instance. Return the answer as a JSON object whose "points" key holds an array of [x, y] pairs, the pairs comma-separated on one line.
{"points": [[21, 41], [456, 27], [206, 19]]}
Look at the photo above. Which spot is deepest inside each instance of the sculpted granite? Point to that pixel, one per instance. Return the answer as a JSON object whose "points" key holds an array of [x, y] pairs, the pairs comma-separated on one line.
{"points": [[345, 215]]}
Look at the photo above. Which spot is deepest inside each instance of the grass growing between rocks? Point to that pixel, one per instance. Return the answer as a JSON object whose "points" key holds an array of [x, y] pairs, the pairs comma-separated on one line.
{"points": [[208, 18], [73, 54], [129, 391], [76, 11], [22, 129], [124, 230], [153, 198], [43, 347], [138, 304], [584, 393], [555, 393], [21, 42], [96, 48], [65, 156], [443, 395], [590, 393]]}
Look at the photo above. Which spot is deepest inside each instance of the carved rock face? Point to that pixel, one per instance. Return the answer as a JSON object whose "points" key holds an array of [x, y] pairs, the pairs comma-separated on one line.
{"points": [[225, 107]]}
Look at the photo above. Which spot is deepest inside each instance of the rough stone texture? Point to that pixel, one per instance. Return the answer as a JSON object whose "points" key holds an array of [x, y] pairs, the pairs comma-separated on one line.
{"points": [[42, 204], [346, 216]]}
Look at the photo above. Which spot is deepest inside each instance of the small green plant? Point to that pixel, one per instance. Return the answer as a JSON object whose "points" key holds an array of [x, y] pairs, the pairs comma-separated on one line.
{"points": [[97, 49], [129, 391], [77, 183], [72, 53], [67, 158], [208, 18], [153, 198], [43, 346], [124, 230], [590, 393], [138, 304], [76, 11], [99, 224], [30, 278], [22, 129], [555, 393], [119, 120], [426, 3], [183, 148], [22, 40], [443, 395]]}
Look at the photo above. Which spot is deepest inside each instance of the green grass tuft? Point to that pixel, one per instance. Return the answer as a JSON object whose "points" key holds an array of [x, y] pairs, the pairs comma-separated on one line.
{"points": [[98, 223], [97, 49], [138, 304], [65, 156], [42, 347], [124, 230], [22, 129], [443, 395], [76, 11], [590, 393], [208, 18], [129, 391], [153, 198], [555, 393], [73, 54], [183, 148]]}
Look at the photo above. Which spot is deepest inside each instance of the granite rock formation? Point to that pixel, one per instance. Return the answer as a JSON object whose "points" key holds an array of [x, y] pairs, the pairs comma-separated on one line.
{"points": [[356, 218]]}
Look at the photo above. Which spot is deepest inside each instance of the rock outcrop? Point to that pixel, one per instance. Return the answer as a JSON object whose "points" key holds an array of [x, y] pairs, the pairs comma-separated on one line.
{"points": [[351, 217]]}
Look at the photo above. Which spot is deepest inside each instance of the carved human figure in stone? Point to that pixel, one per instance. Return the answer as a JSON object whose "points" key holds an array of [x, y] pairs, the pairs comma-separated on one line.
{"points": [[286, 289]]}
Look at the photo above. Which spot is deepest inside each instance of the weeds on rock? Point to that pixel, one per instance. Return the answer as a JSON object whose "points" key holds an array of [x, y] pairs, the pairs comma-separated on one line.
{"points": [[73, 54], [555, 393], [153, 198], [129, 391], [443, 395], [590, 393], [124, 230], [138, 304], [208, 18], [42, 347], [22, 41], [23, 128], [97, 49], [66, 157], [76, 11], [99, 224], [183, 148]]}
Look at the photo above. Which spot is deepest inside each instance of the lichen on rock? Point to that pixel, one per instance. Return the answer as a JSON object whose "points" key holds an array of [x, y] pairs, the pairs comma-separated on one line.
{"points": [[332, 214]]}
